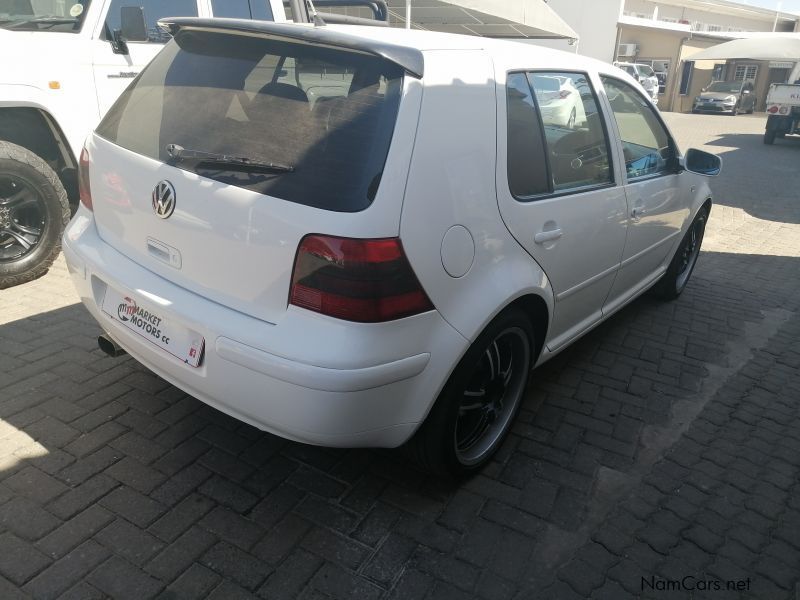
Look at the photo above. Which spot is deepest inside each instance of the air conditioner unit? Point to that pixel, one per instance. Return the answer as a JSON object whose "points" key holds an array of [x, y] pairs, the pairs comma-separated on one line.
{"points": [[628, 50]]}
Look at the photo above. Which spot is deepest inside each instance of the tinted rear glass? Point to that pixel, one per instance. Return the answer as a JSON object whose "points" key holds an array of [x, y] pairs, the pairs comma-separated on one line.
{"points": [[330, 114]]}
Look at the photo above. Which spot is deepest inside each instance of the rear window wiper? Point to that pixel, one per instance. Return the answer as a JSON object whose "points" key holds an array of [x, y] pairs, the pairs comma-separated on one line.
{"points": [[180, 153]]}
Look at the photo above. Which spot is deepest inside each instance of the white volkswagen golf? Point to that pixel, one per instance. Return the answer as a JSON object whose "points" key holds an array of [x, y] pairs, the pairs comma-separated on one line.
{"points": [[357, 236]]}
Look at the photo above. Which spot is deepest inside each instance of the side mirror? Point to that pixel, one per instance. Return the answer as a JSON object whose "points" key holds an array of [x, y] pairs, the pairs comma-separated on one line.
{"points": [[703, 163], [745, 91], [132, 24]]}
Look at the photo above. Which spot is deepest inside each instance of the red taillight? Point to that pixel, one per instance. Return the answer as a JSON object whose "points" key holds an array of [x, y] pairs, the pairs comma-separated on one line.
{"points": [[368, 281], [84, 190]]}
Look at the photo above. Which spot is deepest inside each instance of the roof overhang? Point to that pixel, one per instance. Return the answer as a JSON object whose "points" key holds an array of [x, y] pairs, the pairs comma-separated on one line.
{"points": [[783, 47], [490, 18]]}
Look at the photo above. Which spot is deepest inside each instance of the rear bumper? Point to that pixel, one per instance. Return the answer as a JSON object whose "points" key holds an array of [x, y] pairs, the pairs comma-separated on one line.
{"points": [[308, 378]]}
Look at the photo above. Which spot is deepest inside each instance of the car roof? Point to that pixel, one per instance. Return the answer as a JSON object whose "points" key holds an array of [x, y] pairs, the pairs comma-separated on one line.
{"points": [[507, 54]]}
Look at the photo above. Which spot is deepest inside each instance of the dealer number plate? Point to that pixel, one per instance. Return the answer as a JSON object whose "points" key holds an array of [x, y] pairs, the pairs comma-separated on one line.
{"points": [[149, 323]]}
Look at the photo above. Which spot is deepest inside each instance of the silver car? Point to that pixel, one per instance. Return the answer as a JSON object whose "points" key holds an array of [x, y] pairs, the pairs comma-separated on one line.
{"points": [[730, 97]]}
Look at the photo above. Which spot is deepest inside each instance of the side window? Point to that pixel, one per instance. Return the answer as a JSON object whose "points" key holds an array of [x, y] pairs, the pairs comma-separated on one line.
{"points": [[646, 145], [576, 141], [527, 163], [153, 11]]}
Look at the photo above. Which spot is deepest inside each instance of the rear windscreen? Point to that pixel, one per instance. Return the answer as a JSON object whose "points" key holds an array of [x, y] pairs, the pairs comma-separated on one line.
{"points": [[328, 114]]}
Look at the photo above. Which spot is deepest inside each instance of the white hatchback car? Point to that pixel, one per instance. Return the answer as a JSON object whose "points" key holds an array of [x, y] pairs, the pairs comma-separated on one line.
{"points": [[385, 259]]}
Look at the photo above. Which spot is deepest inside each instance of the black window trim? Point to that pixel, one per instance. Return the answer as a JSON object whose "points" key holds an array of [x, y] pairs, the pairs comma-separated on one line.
{"points": [[571, 191], [675, 169], [106, 30]]}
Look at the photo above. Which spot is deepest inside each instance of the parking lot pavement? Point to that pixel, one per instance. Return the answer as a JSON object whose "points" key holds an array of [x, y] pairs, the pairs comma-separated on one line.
{"points": [[661, 452]]}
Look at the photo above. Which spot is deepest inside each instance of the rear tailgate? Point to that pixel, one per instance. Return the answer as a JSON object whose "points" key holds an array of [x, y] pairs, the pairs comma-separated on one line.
{"points": [[783, 94], [233, 234], [228, 244]]}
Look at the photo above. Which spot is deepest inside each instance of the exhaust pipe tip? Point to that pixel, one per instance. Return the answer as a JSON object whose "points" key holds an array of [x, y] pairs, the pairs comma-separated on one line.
{"points": [[109, 346]]}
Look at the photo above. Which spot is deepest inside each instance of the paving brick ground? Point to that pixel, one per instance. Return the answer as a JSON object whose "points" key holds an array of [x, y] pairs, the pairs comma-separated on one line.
{"points": [[664, 445]]}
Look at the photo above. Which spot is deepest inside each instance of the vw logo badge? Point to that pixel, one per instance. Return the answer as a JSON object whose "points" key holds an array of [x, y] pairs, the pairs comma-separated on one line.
{"points": [[164, 199]]}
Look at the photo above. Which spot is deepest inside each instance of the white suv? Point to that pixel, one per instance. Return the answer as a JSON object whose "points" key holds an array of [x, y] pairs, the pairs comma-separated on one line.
{"points": [[645, 75], [66, 64], [355, 236]]}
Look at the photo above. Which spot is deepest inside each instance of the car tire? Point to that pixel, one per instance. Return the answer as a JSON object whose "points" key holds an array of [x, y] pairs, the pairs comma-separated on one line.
{"points": [[677, 275], [478, 404], [769, 137], [33, 213], [735, 110]]}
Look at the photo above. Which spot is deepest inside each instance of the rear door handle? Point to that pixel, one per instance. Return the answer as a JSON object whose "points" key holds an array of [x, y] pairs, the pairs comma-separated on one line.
{"points": [[547, 236]]}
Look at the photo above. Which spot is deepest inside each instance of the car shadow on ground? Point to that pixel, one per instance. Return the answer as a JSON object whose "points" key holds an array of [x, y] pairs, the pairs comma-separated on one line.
{"points": [[777, 197], [99, 454]]}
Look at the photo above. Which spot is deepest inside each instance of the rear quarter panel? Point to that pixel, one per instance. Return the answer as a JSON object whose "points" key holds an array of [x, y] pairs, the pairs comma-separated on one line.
{"points": [[452, 182]]}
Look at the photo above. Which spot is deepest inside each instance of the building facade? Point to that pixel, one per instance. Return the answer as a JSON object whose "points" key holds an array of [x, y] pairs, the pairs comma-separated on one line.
{"points": [[666, 33]]}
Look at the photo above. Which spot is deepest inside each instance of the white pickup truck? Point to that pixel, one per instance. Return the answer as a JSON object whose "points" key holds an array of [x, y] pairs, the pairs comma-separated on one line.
{"points": [[783, 111], [65, 63]]}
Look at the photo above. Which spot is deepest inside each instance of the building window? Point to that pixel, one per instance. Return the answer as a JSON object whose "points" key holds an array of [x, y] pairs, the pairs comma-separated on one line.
{"points": [[719, 72], [745, 73], [713, 27], [686, 77]]}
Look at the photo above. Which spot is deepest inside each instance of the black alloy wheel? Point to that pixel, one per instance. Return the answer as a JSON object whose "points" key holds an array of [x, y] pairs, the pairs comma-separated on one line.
{"points": [[490, 399], [680, 269], [476, 408], [22, 218], [33, 213]]}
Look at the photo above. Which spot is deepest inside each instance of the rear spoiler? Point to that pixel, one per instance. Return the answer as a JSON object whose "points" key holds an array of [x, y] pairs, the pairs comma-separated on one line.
{"points": [[410, 60]]}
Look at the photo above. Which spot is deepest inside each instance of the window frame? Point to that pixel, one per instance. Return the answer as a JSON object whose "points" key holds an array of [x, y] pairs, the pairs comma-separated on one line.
{"points": [[675, 168], [552, 193], [104, 30], [745, 67]]}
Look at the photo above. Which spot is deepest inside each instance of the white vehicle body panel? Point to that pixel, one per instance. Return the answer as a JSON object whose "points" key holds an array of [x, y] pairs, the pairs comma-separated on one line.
{"points": [[221, 231], [444, 192], [582, 263], [783, 94], [310, 378]]}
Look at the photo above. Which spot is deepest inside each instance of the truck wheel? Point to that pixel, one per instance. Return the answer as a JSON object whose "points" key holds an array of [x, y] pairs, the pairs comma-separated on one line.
{"points": [[33, 213], [477, 406], [769, 136]]}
